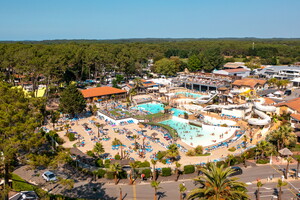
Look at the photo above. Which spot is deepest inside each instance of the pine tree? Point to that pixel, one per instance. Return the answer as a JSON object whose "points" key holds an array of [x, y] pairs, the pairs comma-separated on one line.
{"points": [[72, 101], [19, 117]]}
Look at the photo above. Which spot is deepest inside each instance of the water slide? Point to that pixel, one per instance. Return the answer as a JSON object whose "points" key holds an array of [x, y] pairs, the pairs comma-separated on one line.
{"points": [[259, 109], [205, 99], [223, 106]]}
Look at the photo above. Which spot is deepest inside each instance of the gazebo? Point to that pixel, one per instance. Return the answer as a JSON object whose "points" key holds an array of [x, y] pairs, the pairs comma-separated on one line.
{"points": [[285, 152]]}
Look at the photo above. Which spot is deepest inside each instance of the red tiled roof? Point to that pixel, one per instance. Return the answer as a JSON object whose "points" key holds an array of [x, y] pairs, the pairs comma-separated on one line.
{"points": [[101, 91], [268, 101], [251, 82], [294, 104], [296, 116]]}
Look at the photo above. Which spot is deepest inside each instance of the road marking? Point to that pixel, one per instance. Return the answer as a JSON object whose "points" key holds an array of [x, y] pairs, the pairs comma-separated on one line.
{"points": [[134, 192]]}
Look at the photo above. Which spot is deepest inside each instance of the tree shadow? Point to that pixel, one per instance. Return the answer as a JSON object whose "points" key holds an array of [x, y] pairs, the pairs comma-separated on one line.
{"points": [[161, 195], [89, 191]]}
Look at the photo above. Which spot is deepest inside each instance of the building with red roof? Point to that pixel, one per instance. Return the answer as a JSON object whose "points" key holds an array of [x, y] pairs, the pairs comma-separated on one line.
{"points": [[103, 93]]}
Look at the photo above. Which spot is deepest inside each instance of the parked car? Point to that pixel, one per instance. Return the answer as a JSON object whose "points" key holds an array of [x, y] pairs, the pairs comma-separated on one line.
{"points": [[236, 171], [25, 195], [49, 176]]}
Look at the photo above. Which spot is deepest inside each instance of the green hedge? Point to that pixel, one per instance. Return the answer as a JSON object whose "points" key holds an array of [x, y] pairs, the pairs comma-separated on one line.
{"points": [[262, 161], [147, 173], [90, 153], [110, 175], [101, 173], [166, 171], [189, 169]]}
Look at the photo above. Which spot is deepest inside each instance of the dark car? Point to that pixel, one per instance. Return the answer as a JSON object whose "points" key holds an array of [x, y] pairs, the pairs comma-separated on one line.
{"points": [[236, 171], [288, 92]]}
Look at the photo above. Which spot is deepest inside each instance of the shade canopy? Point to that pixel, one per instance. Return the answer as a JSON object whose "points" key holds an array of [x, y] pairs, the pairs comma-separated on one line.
{"points": [[285, 152]]}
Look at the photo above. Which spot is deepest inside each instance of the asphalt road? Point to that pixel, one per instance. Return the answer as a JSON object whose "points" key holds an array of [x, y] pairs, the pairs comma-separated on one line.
{"points": [[85, 188]]}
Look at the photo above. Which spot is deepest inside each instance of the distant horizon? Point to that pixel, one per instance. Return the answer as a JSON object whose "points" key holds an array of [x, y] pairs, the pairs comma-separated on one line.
{"points": [[157, 38]]}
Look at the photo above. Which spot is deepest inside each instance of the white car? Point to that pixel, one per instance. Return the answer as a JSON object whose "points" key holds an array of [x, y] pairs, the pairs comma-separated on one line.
{"points": [[49, 176]]}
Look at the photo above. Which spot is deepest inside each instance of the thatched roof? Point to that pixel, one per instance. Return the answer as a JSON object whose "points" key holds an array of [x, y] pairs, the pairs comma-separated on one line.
{"points": [[285, 152]]}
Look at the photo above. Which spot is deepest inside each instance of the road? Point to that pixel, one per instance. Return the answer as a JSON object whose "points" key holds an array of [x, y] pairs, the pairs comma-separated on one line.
{"points": [[87, 189]]}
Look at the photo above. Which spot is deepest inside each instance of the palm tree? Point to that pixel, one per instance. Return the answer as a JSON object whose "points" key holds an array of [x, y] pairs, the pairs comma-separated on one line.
{"points": [[133, 166], [272, 81], [229, 159], [288, 160], [297, 157], [280, 184], [115, 168], [245, 139], [177, 165], [259, 185], [217, 185], [172, 151], [118, 142], [244, 157], [98, 125], [264, 147], [154, 162], [67, 127], [98, 149], [282, 136], [135, 144], [155, 185], [182, 189]]}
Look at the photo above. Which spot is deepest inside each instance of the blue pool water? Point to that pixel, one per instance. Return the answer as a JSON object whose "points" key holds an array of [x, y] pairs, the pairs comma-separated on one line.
{"points": [[188, 94], [194, 135], [158, 107]]}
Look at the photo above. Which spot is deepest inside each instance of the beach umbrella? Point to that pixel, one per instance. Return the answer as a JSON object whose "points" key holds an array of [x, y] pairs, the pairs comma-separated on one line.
{"points": [[154, 134], [285, 152]]}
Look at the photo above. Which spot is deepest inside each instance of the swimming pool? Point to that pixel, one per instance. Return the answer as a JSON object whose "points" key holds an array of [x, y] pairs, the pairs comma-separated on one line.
{"points": [[158, 107], [194, 135], [188, 94]]}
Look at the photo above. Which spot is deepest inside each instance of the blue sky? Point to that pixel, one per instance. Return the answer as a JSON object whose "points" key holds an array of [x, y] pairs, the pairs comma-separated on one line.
{"points": [[113, 19]]}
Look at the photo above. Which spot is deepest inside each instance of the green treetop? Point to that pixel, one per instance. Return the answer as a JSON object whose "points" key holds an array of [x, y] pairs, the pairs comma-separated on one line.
{"points": [[72, 101]]}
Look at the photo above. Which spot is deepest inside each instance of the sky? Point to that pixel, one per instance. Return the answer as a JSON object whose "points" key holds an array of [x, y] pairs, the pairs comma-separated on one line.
{"points": [[115, 19]]}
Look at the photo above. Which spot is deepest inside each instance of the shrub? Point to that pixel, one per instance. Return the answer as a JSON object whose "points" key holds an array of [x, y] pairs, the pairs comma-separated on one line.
{"points": [[224, 125], [145, 164], [106, 163], [190, 152], [90, 153], [164, 161], [122, 175], [147, 173], [189, 169], [166, 171], [110, 175], [101, 173], [262, 161], [232, 149], [99, 163], [199, 150], [160, 155], [71, 137], [117, 157]]}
